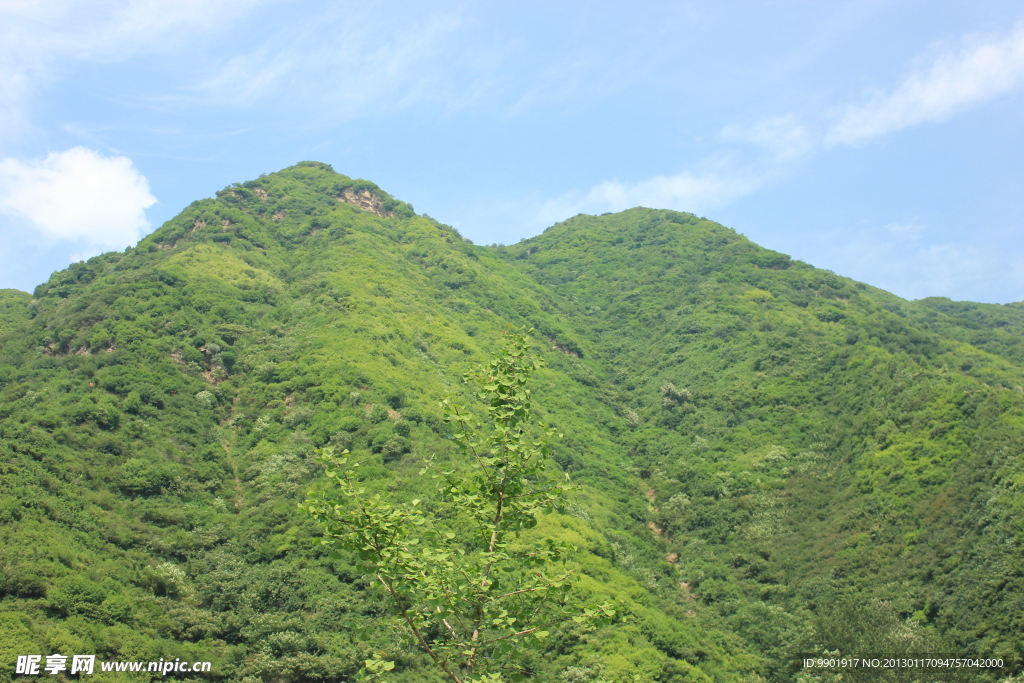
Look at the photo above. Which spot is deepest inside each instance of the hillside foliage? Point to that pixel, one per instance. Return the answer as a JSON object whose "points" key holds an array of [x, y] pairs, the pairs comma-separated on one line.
{"points": [[763, 449]]}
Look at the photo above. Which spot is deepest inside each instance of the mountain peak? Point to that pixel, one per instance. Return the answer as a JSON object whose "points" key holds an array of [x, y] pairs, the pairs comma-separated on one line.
{"points": [[301, 200]]}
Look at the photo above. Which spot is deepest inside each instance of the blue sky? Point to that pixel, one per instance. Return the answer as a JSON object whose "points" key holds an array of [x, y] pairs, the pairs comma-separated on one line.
{"points": [[881, 140]]}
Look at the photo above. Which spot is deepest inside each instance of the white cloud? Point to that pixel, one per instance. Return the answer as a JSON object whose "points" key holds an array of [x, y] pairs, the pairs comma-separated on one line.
{"points": [[78, 196], [957, 79], [899, 256], [684, 192], [979, 70], [785, 136]]}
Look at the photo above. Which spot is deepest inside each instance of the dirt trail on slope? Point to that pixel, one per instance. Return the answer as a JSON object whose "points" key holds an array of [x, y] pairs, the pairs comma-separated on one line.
{"points": [[228, 446]]}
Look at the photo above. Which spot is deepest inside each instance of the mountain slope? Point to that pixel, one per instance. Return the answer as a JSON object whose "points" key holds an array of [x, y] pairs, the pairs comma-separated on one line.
{"points": [[162, 409], [765, 447], [822, 437]]}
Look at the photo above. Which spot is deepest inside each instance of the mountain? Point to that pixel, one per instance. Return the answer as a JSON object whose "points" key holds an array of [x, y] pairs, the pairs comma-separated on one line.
{"points": [[774, 459]]}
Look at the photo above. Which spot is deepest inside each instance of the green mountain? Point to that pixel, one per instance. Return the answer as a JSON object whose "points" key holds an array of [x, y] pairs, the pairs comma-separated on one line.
{"points": [[775, 461]]}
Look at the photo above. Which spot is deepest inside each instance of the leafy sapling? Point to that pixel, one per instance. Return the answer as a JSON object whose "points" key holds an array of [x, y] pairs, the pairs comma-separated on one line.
{"points": [[468, 589]]}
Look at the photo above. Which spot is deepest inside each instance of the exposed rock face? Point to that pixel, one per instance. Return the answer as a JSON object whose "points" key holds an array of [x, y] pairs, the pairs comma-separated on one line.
{"points": [[366, 201]]}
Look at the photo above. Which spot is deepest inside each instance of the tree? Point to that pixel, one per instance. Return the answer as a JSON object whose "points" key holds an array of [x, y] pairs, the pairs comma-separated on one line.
{"points": [[467, 588]]}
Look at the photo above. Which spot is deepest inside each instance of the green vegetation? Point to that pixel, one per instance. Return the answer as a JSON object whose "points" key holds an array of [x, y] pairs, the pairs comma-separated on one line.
{"points": [[762, 448], [467, 589]]}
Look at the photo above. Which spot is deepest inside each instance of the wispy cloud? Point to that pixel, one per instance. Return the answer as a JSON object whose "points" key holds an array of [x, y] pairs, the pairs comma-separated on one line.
{"points": [[684, 191], [244, 79], [785, 136], [911, 230], [983, 68], [78, 196], [343, 65], [107, 30], [948, 83], [904, 258], [979, 70], [39, 39]]}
